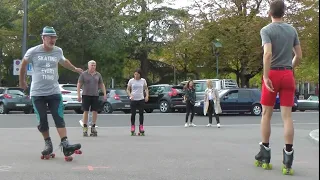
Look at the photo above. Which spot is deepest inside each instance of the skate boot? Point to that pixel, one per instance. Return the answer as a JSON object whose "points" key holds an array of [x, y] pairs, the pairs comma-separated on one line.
{"points": [[141, 130], [69, 149], [263, 157], [85, 131], [94, 131], [133, 130], [47, 151], [287, 162]]}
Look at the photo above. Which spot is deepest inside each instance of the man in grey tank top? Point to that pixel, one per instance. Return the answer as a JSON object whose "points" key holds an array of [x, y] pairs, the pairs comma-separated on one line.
{"points": [[45, 89], [280, 41]]}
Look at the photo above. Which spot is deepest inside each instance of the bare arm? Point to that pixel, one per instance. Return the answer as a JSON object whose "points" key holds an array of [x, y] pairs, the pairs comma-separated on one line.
{"points": [[129, 89], [267, 55], [103, 87], [68, 65], [79, 85], [145, 87], [297, 56], [22, 73]]}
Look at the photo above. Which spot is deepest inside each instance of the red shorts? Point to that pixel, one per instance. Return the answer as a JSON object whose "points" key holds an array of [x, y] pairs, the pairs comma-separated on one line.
{"points": [[283, 83]]}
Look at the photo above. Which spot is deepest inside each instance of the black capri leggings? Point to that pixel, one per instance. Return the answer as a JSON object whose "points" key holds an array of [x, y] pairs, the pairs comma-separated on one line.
{"points": [[55, 104], [190, 108], [134, 106]]}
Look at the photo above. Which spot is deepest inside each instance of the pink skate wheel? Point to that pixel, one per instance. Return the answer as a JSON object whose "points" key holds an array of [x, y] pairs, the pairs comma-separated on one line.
{"points": [[53, 155], [42, 157]]}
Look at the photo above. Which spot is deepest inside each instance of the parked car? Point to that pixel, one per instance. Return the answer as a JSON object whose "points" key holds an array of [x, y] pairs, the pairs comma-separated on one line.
{"points": [[237, 100], [294, 107], [14, 99], [201, 85], [166, 98], [312, 103], [117, 100], [70, 97]]}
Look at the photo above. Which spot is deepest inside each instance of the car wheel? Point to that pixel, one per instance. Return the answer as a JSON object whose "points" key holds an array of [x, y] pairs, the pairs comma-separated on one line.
{"points": [[149, 110], [294, 109], [78, 111], [3, 109], [107, 108], [256, 109], [28, 111], [164, 107], [127, 111]]}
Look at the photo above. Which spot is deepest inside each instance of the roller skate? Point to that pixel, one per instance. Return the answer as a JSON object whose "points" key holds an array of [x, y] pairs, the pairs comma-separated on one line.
{"points": [[47, 151], [85, 131], [133, 130], [263, 157], [69, 149], [141, 130], [93, 132], [287, 162]]}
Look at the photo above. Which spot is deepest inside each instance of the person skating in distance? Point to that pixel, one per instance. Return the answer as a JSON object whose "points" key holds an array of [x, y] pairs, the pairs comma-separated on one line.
{"points": [[280, 41], [136, 88], [91, 81], [45, 88]]}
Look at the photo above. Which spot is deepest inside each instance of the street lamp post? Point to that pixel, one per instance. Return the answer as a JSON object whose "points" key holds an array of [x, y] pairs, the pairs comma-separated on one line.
{"points": [[215, 46], [25, 27]]}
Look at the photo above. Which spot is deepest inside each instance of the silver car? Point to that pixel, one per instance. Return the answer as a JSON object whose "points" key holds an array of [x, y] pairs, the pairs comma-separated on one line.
{"points": [[70, 97]]}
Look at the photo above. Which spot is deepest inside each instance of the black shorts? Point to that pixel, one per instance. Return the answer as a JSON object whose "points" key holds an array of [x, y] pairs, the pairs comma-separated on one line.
{"points": [[90, 102]]}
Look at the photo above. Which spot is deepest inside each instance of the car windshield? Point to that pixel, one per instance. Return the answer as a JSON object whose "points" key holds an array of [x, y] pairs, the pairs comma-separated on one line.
{"points": [[70, 87], [313, 98], [121, 92], [15, 91], [222, 92]]}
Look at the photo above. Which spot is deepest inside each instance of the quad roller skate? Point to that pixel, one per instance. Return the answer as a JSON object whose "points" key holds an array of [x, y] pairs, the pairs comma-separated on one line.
{"points": [[85, 131], [70, 149], [263, 157], [93, 132], [141, 130], [133, 130], [47, 151], [287, 162]]}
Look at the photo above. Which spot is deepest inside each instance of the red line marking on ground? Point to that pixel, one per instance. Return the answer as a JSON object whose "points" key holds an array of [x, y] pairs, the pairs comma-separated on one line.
{"points": [[90, 168]]}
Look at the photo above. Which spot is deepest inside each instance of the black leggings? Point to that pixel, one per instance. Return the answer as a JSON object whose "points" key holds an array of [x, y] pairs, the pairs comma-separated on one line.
{"points": [[134, 106], [212, 111], [190, 107]]}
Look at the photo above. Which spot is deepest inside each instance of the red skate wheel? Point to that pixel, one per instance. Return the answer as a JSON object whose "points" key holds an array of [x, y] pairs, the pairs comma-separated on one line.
{"points": [[79, 151], [68, 158], [42, 157], [47, 156], [53, 155]]}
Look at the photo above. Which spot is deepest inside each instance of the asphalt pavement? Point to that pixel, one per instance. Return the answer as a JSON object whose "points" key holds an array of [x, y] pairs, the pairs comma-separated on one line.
{"points": [[167, 152]]}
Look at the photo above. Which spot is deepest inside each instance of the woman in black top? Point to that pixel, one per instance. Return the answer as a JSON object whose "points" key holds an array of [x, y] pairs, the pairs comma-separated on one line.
{"points": [[190, 99]]}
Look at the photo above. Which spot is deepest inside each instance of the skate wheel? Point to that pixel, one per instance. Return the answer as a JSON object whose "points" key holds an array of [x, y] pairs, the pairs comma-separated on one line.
{"points": [[257, 163], [68, 158], [287, 171], [78, 152], [266, 166], [53, 155], [42, 157]]}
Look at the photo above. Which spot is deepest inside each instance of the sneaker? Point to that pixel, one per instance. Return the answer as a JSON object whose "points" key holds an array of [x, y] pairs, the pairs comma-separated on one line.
{"points": [[192, 125], [218, 125], [209, 125], [186, 125]]}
